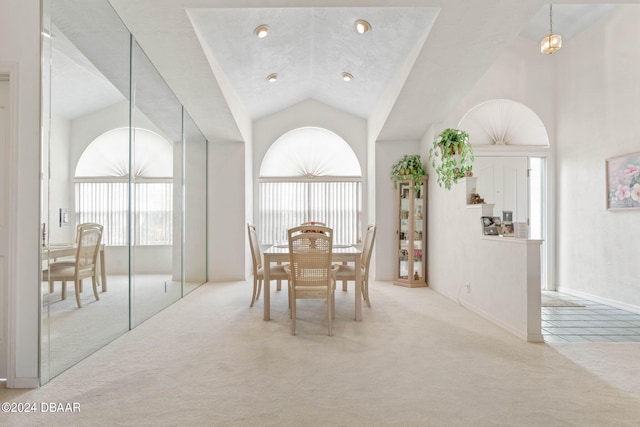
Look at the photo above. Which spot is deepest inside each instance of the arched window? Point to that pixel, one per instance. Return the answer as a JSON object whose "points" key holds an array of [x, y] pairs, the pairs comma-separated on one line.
{"points": [[102, 187], [504, 122], [310, 174]]}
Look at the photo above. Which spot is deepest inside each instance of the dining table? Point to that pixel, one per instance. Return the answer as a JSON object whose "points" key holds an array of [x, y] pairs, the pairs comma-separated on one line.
{"points": [[339, 254], [55, 251]]}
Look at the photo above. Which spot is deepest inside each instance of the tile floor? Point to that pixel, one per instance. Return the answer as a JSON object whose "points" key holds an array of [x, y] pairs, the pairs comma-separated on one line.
{"points": [[595, 322]]}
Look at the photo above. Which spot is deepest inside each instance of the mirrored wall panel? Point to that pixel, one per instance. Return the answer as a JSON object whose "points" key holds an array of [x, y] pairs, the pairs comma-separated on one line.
{"points": [[85, 98], [118, 208], [156, 184]]}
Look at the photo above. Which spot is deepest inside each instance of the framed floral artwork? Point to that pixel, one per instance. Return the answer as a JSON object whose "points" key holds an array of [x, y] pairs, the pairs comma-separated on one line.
{"points": [[623, 182]]}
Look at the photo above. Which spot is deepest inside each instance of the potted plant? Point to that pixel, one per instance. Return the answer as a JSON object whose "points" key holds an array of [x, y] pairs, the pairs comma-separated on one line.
{"points": [[409, 167], [451, 156]]}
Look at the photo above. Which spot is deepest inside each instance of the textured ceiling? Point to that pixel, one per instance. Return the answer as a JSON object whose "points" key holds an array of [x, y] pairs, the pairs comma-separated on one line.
{"points": [[420, 59], [77, 86], [309, 48]]}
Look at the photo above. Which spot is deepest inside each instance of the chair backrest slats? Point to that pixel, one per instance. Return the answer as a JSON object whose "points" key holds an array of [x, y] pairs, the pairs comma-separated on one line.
{"points": [[256, 255], [88, 240], [368, 245], [310, 248]]}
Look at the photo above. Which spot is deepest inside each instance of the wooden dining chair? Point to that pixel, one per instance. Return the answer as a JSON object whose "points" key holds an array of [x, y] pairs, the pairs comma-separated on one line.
{"points": [[276, 272], [310, 269], [348, 271], [79, 227], [80, 268]]}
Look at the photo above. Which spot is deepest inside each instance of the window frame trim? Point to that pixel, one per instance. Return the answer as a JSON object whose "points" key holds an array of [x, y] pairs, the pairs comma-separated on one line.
{"points": [[115, 179], [311, 179]]}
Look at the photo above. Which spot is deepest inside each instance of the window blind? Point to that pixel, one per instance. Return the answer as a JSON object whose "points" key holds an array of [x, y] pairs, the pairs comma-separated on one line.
{"points": [[286, 204], [107, 203]]}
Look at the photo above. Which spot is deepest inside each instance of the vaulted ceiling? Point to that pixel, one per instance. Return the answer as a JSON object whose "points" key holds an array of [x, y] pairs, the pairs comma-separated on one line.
{"points": [[416, 63]]}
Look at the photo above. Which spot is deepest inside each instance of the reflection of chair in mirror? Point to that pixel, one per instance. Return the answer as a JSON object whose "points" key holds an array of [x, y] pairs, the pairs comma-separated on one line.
{"points": [[82, 267], [100, 265], [310, 269], [276, 272], [348, 272], [84, 224]]}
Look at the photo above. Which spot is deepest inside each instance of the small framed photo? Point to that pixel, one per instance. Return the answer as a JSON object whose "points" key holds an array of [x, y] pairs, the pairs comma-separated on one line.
{"points": [[489, 227], [521, 230], [623, 182], [507, 229]]}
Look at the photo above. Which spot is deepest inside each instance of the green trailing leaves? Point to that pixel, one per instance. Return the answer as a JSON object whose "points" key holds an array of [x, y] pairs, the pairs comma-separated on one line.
{"points": [[451, 156], [409, 167]]}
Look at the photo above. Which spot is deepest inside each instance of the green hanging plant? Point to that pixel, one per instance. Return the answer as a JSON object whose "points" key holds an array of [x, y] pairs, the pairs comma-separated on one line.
{"points": [[452, 156], [409, 167]]}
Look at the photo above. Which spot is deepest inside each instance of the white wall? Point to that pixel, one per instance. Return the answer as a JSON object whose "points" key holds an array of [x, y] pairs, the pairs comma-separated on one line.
{"points": [[503, 273], [598, 117], [20, 48], [195, 215], [521, 74], [524, 75], [227, 232], [60, 185], [147, 259]]}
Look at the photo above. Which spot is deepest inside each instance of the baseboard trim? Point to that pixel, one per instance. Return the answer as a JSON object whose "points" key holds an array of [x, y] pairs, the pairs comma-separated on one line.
{"points": [[217, 279], [525, 336], [535, 338], [23, 382], [595, 298]]}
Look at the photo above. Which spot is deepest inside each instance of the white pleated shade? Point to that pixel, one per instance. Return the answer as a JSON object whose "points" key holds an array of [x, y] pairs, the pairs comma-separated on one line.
{"points": [[504, 122], [108, 155], [310, 151]]}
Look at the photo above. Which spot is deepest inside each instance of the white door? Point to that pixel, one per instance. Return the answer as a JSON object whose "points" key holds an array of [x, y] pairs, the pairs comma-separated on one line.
{"points": [[4, 206], [503, 181]]}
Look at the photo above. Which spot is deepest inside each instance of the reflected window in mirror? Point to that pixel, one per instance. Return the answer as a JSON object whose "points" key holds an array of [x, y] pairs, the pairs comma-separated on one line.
{"points": [[101, 186]]}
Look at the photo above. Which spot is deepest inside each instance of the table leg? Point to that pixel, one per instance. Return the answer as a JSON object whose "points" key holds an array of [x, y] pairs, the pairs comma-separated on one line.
{"points": [[344, 282], [103, 271], [279, 282], [358, 290], [266, 292]]}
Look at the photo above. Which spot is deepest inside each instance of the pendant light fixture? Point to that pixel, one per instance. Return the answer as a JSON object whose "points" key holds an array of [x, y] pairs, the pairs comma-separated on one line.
{"points": [[553, 42]]}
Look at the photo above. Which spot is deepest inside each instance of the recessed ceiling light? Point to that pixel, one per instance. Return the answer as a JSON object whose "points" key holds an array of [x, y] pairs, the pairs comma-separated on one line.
{"points": [[262, 31], [362, 26], [347, 77], [272, 77]]}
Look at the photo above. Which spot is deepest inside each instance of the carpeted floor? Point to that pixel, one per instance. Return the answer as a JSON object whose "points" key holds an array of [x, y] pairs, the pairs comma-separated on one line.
{"points": [[416, 359], [70, 333]]}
